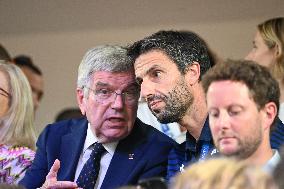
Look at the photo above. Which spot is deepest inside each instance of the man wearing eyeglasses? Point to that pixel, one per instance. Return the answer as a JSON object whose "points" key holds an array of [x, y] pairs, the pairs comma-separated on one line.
{"points": [[111, 147]]}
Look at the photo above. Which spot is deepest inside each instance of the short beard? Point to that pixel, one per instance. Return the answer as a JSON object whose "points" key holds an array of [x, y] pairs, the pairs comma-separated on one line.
{"points": [[247, 147], [178, 101]]}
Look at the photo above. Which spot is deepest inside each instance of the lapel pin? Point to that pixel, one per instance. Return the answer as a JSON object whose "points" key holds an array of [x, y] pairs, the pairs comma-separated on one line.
{"points": [[130, 156]]}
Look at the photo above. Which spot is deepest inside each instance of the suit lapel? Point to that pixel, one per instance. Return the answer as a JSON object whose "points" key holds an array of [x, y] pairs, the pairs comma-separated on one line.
{"points": [[125, 159], [71, 147]]}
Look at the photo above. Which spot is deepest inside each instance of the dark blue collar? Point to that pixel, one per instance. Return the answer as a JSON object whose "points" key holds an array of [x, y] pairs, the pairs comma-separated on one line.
{"points": [[205, 136]]}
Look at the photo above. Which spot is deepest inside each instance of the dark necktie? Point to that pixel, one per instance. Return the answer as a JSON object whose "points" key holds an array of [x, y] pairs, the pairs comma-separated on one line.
{"points": [[89, 174]]}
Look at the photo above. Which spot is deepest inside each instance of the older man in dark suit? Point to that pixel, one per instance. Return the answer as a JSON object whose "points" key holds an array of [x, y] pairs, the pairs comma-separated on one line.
{"points": [[111, 147]]}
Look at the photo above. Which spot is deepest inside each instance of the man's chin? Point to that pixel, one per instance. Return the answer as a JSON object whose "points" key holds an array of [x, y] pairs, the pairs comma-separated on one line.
{"points": [[165, 120], [112, 136], [229, 152]]}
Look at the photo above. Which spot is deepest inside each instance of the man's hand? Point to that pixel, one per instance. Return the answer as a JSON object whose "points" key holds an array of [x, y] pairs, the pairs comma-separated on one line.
{"points": [[51, 179]]}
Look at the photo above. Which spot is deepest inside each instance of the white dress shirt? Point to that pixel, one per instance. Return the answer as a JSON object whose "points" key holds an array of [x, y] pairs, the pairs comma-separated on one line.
{"points": [[86, 152], [272, 163]]}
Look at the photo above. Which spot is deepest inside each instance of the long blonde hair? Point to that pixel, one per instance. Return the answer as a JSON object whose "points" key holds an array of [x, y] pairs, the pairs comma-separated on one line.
{"points": [[223, 174], [16, 126], [272, 32]]}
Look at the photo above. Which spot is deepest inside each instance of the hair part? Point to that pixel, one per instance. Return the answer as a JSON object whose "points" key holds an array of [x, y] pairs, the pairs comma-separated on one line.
{"points": [[17, 126]]}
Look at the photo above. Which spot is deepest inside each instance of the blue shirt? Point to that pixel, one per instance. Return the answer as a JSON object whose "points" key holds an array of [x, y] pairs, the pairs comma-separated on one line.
{"points": [[190, 151], [277, 135]]}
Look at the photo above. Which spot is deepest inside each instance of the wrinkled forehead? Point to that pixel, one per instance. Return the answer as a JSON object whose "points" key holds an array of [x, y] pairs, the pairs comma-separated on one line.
{"points": [[114, 79]]}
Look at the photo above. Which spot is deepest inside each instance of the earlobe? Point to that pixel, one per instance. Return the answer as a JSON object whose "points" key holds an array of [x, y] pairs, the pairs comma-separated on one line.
{"points": [[193, 73], [80, 99]]}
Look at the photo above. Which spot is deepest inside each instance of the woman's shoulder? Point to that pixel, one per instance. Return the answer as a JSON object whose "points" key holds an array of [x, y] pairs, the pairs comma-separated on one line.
{"points": [[14, 161], [11, 152]]}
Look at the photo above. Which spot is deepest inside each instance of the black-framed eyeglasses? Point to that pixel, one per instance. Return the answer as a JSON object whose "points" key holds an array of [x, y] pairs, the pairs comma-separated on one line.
{"points": [[5, 93], [106, 96]]}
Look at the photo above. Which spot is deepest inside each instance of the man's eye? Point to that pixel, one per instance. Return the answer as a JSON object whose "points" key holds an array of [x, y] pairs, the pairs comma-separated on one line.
{"points": [[103, 92], [131, 93], [233, 113], [213, 113], [156, 74]]}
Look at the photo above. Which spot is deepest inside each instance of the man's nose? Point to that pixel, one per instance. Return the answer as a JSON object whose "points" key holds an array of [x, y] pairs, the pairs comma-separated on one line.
{"points": [[117, 102], [223, 121], [147, 89]]}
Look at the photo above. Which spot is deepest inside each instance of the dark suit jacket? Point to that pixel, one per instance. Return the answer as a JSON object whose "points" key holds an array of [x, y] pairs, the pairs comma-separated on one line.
{"points": [[65, 141]]}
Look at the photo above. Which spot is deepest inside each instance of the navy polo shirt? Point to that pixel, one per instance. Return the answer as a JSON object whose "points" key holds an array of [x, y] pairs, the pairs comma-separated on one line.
{"points": [[191, 151]]}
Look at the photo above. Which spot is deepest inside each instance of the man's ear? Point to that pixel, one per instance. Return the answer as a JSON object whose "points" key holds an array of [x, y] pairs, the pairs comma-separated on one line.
{"points": [[81, 100], [192, 74], [270, 112]]}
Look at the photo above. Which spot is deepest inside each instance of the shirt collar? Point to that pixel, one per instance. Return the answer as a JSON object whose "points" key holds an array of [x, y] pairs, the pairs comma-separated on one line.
{"points": [[92, 138], [272, 163], [205, 136]]}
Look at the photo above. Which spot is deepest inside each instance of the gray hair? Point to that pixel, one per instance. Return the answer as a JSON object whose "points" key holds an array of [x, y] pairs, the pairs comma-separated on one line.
{"points": [[110, 58]]}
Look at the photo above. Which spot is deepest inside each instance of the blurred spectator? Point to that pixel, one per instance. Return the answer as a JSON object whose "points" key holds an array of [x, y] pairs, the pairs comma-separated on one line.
{"points": [[223, 174], [268, 47], [34, 75], [68, 113], [17, 135]]}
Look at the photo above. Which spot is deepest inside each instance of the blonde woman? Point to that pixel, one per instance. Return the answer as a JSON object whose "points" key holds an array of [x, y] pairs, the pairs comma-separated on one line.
{"points": [[268, 47], [223, 174], [17, 135]]}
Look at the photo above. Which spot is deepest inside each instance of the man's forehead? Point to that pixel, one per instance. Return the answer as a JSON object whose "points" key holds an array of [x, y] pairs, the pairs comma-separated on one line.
{"points": [[230, 89], [114, 78], [152, 54], [111, 74], [155, 59]]}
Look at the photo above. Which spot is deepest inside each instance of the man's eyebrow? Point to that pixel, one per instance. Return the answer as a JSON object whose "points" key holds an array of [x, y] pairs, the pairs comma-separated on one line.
{"points": [[102, 84], [129, 85], [151, 69], [139, 79], [133, 84]]}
